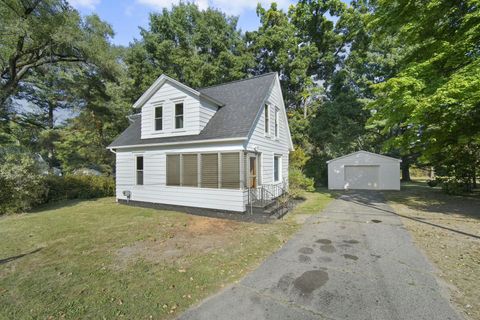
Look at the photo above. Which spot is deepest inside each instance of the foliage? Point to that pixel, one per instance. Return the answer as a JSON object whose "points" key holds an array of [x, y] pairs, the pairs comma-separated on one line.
{"points": [[433, 100], [198, 48], [41, 33], [78, 187], [298, 182], [432, 183], [21, 182]]}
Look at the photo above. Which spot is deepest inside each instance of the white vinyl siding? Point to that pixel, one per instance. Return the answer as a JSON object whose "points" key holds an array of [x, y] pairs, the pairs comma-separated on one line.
{"points": [[167, 96], [155, 189], [269, 147]]}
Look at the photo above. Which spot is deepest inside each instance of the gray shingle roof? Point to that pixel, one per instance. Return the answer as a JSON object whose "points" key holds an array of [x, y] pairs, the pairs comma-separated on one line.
{"points": [[243, 100]]}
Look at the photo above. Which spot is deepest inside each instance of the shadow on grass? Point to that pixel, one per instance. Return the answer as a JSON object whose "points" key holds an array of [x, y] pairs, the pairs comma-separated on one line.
{"points": [[9, 259], [368, 199], [61, 204], [419, 196]]}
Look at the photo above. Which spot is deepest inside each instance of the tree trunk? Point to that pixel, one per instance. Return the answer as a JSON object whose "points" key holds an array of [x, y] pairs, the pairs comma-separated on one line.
{"points": [[474, 178], [405, 169]]}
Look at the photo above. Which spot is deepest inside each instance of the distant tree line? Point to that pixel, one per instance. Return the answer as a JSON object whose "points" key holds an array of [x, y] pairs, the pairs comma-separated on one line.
{"points": [[397, 77]]}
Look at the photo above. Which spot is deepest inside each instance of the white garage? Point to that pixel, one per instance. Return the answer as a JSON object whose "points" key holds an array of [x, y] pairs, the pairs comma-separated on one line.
{"points": [[364, 170]]}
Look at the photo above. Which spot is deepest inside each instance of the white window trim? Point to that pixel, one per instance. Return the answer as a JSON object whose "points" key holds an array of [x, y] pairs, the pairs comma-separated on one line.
{"points": [[175, 102], [277, 123], [135, 171], [155, 118], [266, 120], [279, 156]]}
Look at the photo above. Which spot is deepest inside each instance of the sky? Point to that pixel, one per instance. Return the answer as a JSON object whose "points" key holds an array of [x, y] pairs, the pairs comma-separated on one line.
{"points": [[126, 16]]}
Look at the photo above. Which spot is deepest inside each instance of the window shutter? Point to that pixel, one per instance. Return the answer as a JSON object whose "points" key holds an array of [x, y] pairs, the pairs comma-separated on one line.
{"points": [[209, 170], [173, 170], [230, 170], [190, 170]]}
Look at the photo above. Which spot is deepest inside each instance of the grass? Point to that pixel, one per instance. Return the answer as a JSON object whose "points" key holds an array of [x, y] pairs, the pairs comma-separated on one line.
{"points": [[447, 229], [98, 259]]}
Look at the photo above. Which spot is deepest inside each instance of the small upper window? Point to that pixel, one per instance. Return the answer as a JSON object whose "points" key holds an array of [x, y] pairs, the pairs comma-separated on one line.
{"points": [[178, 115], [158, 118], [139, 170], [276, 123], [267, 119]]}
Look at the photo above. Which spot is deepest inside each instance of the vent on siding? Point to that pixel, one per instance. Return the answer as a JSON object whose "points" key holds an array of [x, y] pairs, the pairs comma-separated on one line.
{"points": [[173, 170], [190, 170], [230, 173], [209, 170]]}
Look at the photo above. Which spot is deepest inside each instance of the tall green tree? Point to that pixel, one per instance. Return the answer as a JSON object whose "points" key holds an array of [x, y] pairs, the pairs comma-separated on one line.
{"points": [[277, 47], [198, 48], [433, 100], [43, 32]]}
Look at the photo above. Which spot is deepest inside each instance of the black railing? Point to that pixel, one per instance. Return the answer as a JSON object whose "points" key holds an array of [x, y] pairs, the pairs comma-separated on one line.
{"points": [[275, 195]]}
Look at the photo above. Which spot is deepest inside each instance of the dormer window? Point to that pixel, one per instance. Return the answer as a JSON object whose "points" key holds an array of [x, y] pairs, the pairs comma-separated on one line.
{"points": [[179, 115], [158, 118], [267, 119]]}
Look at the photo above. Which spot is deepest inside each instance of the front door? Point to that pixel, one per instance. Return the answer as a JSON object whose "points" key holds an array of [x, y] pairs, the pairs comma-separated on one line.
{"points": [[252, 176]]}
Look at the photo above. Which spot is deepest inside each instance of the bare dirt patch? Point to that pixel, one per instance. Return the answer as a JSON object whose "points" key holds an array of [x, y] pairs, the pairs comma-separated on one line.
{"points": [[199, 235], [447, 228]]}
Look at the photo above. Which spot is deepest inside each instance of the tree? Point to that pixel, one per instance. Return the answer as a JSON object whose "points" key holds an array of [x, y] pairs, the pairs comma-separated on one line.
{"points": [[198, 48], [433, 100], [276, 47], [37, 33]]}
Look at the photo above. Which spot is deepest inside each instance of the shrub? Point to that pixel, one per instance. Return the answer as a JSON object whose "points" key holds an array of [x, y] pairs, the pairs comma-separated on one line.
{"points": [[21, 183], [454, 186], [298, 182], [432, 183], [79, 187]]}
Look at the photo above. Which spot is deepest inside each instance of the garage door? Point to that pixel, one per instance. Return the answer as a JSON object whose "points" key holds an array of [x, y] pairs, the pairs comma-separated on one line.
{"points": [[361, 177]]}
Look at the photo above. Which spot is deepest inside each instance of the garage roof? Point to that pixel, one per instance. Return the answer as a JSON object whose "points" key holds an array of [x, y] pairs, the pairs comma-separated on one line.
{"points": [[364, 152]]}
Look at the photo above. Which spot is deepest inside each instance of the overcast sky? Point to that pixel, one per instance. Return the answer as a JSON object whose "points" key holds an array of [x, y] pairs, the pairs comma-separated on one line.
{"points": [[126, 16]]}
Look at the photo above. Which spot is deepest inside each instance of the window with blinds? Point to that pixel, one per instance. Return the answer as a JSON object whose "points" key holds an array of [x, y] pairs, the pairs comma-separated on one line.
{"points": [[230, 170], [213, 170], [173, 170], [209, 170], [189, 170]]}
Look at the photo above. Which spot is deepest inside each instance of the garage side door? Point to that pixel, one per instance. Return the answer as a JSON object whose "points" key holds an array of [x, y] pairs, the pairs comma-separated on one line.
{"points": [[361, 177]]}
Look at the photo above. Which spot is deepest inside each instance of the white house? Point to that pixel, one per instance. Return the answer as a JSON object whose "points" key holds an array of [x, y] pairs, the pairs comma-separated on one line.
{"points": [[221, 147], [364, 170]]}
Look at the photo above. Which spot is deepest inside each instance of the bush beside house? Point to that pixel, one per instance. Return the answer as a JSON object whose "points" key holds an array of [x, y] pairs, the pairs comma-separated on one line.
{"points": [[23, 185]]}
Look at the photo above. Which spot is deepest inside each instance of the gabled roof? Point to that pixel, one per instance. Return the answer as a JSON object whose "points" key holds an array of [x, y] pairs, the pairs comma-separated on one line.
{"points": [[364, 152], [160, 81], [242, 100]]}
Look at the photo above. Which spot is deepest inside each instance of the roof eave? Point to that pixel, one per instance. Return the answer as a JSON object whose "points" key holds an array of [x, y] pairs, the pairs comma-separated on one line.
{"points": [[160, 81], [110, 147]]}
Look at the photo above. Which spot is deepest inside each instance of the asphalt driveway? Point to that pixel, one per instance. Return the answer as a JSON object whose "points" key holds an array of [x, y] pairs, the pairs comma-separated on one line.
{"points": [[353, 261]]}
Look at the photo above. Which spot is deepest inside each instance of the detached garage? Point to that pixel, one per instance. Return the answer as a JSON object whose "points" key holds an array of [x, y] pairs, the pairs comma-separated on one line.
{"points": [[364, 170]]}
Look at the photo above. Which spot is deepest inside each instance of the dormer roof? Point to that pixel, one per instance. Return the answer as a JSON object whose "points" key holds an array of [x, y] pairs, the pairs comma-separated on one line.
{"points": [[161, 80]]}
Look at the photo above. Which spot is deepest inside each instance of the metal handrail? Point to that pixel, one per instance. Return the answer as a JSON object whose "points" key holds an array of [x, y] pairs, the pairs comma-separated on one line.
{"points": [[273, 192]]}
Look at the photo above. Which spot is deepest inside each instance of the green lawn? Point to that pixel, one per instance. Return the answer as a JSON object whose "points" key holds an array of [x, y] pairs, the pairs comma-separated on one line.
{"points": [[94, 259], [447, 229]]}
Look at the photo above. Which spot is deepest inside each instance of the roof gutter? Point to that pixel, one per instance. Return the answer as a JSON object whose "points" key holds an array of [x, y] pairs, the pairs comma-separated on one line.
{"points": [[178, 143]]}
